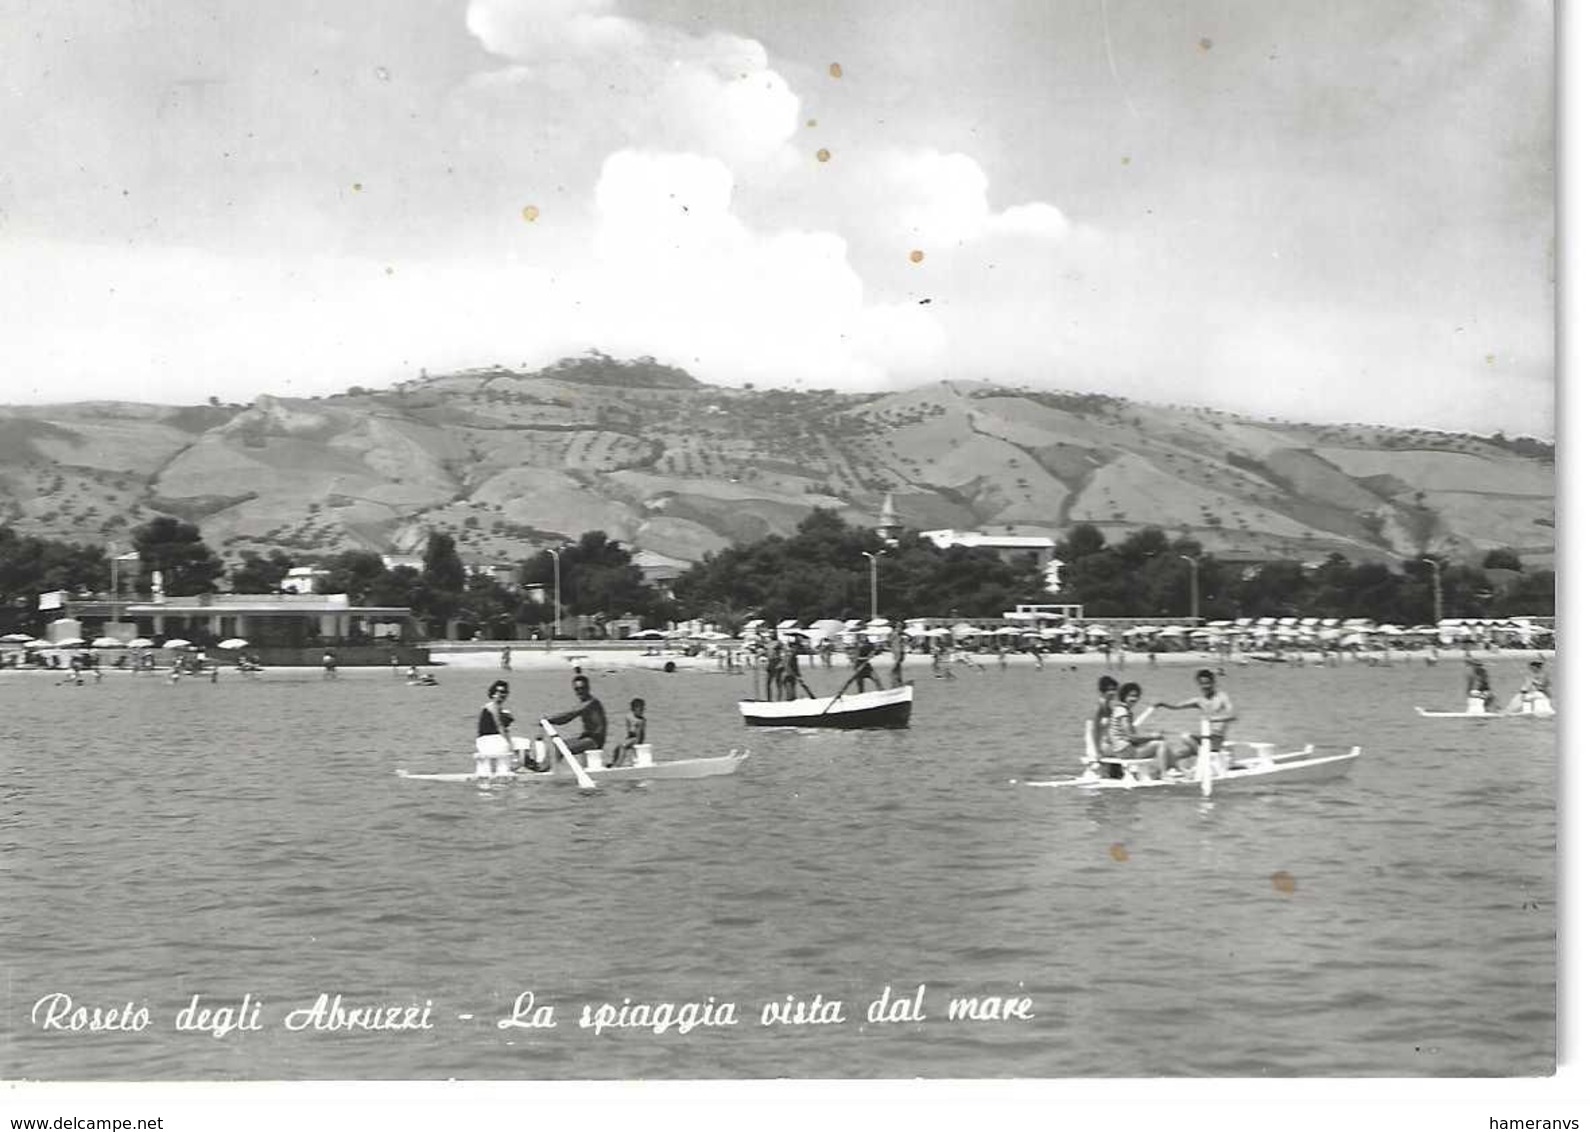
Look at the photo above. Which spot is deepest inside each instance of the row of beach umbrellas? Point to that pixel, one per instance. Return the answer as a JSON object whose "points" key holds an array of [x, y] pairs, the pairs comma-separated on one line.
{"points": [[28, 642]]}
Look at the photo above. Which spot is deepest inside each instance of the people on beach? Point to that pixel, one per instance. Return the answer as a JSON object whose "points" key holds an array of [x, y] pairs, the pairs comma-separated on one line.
{"points": [[1214, 706], [634, 733], [328, 665], [495, 743], [897, 651], [592, 716]]}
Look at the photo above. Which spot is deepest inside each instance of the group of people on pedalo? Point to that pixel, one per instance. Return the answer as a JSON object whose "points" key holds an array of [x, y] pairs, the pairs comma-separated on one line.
{"points": [[499, 751]]}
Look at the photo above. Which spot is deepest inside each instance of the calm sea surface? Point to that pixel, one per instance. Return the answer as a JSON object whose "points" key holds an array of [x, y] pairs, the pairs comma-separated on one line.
{"points": [[250, 837]]}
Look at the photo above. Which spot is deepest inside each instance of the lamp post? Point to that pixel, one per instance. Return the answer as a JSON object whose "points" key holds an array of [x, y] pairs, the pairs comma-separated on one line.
{"points": [[557, 591], [1192, 583], [872, 564], [1435, 586]]}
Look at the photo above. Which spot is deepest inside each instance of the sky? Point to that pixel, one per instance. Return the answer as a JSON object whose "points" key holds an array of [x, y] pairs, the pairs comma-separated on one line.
{"points": [[1339, 212]]}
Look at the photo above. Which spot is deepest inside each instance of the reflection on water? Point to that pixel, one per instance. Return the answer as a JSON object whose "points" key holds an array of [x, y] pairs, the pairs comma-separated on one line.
{"points": [[251, 838]]}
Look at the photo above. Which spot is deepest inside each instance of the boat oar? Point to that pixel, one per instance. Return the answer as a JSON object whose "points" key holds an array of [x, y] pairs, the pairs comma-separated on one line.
{"points": [[841, 691], [1205, 770], [580, 775]]}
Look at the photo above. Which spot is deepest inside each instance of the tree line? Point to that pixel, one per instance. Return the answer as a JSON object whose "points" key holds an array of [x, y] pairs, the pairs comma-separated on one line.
{"points": [[826, 568]]}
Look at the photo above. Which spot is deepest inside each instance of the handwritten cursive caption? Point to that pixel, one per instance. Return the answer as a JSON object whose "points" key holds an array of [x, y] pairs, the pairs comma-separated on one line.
{"points": [[334, 1013]]}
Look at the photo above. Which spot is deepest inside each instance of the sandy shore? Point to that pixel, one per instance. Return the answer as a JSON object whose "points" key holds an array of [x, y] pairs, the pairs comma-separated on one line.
{"points": [[564, 658]]}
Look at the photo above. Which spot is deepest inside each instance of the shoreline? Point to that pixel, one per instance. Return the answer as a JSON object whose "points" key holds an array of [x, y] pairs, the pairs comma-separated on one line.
{"points": [[607, 657]]}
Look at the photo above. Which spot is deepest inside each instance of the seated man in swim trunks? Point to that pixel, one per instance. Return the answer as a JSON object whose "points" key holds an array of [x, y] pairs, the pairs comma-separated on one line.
{"points": [[592, 716], [1215, 707]]}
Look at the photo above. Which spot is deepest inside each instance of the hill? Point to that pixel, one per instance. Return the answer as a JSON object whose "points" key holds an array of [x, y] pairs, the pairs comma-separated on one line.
{"points": [[509, 461]]}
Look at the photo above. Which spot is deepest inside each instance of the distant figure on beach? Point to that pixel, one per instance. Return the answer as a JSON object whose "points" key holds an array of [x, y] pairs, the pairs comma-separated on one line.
{"points": [[507, 658], [897, 650], [328, 665]]}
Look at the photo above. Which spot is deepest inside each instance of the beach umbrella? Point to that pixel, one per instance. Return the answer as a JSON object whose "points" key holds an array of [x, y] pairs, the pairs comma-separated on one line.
{"points": [[233, 643], [1097, 631], [643, 635], [106, 643], [177, 643], [140, 643], [787, 623], [1009, 631], [1390, 630], [69, 643], [1172, 631], [16, 638]]}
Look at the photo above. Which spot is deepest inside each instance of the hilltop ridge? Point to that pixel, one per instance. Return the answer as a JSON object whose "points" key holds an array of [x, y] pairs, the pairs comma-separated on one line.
{"points": [[509, 460]]}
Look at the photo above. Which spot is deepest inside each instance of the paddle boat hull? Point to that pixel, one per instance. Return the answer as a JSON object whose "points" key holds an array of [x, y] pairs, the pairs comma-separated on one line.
{"points": [[1291, 769], [560, 773], [890, 707], [1537, 709]]}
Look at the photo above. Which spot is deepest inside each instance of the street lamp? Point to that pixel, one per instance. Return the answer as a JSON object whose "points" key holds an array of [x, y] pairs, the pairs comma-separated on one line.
{"points": [[872, 564], [1435, 586], [557, 591], [1192, 583]]}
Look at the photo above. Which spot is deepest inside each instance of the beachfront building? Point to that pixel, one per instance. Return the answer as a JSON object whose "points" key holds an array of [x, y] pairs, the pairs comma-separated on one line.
{"points": [[264, 620], [1037, 551]]}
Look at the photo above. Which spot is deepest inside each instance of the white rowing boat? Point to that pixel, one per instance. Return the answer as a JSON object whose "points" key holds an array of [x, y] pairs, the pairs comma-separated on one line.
{"points": [[886, 707], [681, 768]]}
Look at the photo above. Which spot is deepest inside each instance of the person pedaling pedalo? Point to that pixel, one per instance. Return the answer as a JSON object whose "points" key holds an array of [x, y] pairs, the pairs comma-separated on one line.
{"points": [[497, 750]]}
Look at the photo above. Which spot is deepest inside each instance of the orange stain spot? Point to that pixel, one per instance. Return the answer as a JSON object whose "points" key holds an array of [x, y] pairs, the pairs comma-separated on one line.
{"points": [[836, 70], [1283, 882], [1118, 851], [917, 256], [530, 213], [823, 155]]}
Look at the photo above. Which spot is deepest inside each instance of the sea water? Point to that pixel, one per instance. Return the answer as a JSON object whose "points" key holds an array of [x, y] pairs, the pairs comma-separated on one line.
{"points": [[850, 904]]}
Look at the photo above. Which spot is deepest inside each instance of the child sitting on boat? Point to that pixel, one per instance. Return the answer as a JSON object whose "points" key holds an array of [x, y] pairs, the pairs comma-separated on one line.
{"points": [[634, 733]]}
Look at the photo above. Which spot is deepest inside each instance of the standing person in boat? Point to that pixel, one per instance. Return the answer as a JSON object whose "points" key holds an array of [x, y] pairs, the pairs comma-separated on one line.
{"points": [[1479, 685], [634, 733], [864, 672], [592, 716], [774, 669], [1215, 707], [897, 650], [494, 741]]}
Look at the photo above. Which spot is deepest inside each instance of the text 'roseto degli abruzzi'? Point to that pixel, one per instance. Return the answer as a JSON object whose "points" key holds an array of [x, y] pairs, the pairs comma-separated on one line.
{"points": [[332, 1013]]}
